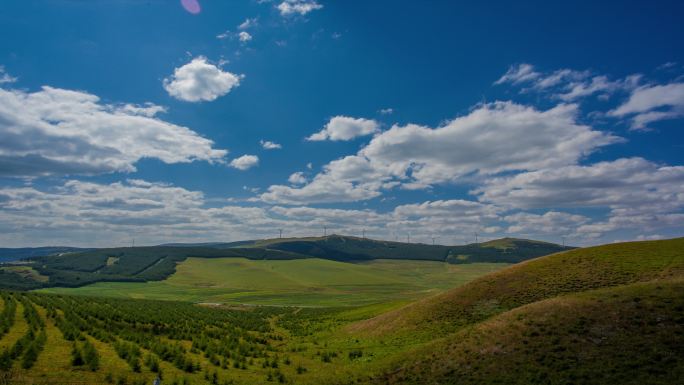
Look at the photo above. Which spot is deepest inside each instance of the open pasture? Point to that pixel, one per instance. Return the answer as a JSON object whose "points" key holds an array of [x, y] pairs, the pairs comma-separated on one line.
{"points": [[302, 282]]}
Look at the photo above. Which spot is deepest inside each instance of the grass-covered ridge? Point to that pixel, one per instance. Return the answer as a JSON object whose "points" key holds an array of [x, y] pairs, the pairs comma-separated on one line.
{"points": [[156, 263], [632, 334], [612, 314], [546, 277]]}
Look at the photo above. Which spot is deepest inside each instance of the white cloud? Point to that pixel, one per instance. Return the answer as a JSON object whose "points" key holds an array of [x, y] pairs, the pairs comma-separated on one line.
{"points": [[622, 220], [566, 84], [244, 36], [200, 80], [58, 132], [93, 214], [248, 23], [268, 145], [452, 221], [245, 162], [344, 180], [518, 74], [551, 222], [345, 128], [559, 77], [5, 78], [623, 183], [339, 217], [494, 138], [639, 194], [297, 178], [457, 209], [386, 111], [147, 109], [300, 7], [224, 35], [597, 84], [646, 104]]}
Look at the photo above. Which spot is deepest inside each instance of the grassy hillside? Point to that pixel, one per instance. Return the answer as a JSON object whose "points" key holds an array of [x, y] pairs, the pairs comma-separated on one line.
{"points": [[612, 314], [632, 334], [310, 282], [145, 264], [531, 281]]}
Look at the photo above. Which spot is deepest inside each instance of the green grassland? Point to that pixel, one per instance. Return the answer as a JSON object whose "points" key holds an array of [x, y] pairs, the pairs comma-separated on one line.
{"points": [[631, 334], [534, 280], [301, 282], [156, 263], [611, 314]]}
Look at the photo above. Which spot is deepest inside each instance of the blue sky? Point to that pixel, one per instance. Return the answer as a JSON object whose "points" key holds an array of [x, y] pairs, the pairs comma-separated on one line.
{"points": [[213, 120]]}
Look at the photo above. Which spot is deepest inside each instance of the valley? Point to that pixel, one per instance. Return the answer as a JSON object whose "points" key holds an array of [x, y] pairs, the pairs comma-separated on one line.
{"points": [[301, 282], [568, 317]]}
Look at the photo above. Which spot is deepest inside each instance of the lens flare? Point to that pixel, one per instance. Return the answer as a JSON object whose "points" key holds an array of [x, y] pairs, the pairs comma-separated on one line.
{"points": [[191, 6]]}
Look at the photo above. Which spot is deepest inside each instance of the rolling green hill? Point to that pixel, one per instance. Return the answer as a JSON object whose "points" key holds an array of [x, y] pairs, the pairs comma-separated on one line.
{"points": [[534, 280], [301, 282], [611, 314], [156, 263], [343, 248], [631, 334]]}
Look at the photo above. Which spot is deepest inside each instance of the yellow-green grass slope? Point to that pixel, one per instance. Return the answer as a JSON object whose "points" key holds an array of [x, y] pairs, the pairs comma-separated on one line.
{"points": [[606, 314], [631, 334], [527, 282]]}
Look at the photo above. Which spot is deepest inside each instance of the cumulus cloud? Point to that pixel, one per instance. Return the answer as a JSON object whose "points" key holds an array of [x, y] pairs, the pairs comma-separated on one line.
{"points": [[494, 138], [199, 81], [245, 162], [622, 183], [652, 103], [58, 132], [95, 214], [268, 145], [297, 7], [244, 36], [344, 180], [551, 222], [297, 178], [446, 208], [345, 128], [639, 194]]}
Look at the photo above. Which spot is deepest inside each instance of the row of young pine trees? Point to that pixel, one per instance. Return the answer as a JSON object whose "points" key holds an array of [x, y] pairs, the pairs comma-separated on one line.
{"points": [[219, 336]]}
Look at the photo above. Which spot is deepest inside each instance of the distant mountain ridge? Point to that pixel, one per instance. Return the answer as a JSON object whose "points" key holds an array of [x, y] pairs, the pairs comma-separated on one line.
{"points": [[16, 253], [153, 263]]}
